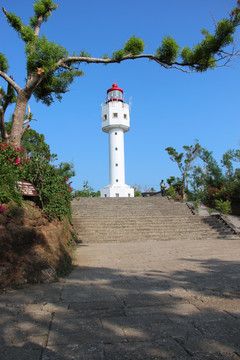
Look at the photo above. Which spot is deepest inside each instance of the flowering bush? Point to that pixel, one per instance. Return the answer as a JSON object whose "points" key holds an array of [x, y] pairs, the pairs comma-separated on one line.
{"points": [[12, 163], [217, 194], [54, 192]]}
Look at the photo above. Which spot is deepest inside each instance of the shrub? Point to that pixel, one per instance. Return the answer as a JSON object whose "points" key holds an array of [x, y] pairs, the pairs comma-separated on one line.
{"points": [[54, 191], [171, 192], [214, 194], [223, 207], [12, 165]]}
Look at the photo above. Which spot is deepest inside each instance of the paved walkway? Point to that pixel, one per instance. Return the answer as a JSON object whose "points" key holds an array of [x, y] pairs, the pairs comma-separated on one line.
{"points": [[145, 300]]}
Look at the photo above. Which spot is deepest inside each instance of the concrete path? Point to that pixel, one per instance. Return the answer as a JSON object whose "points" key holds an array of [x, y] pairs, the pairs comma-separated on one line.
{"points": [[145, 300]]}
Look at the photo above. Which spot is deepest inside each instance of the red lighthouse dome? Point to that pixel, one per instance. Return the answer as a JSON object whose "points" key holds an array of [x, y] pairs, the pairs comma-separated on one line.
{"points": [[114, 93]]}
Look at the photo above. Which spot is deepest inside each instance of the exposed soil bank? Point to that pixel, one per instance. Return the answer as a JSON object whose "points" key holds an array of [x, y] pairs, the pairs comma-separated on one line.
{"points": [[32, 249]]}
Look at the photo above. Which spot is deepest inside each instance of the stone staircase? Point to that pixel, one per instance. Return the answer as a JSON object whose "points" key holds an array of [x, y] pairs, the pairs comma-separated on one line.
{"points": [[140, 219]]}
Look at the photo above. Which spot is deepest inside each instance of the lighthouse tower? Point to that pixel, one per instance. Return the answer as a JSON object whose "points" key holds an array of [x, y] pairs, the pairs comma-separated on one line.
{"points": [[115, 122]]}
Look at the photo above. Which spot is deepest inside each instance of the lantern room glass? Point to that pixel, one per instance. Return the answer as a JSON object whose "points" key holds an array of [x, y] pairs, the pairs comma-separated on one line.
{"points": [[115, 94]]}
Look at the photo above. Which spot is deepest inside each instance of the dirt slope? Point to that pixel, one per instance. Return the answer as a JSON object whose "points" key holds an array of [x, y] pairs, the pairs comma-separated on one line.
{"points": [[32, 249]]}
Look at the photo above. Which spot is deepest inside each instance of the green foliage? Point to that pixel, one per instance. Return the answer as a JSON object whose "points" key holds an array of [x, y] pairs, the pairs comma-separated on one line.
{"points": [[25, 32], [34, 143], [7, 98], [168, 51], [170, 180], [208, 183], [11, 168], [227, 159], [137, 193], [54, 191], [227, 163], [223, 207], [118, 55], [171, 191], [87, 191], [175, 182], [84, 54], [48, 77], [44, 54], [223, 34], [54, 85], [197, 204], [174, 155], [42, 8], [214, 176], [201, 57], [134, 46], [66, 170], [184, 160], [15, 21], [137, 190], [3, 63]]}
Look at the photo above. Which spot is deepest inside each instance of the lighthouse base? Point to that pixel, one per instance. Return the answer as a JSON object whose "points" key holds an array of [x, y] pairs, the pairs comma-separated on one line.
{"points": [[117, 191]]}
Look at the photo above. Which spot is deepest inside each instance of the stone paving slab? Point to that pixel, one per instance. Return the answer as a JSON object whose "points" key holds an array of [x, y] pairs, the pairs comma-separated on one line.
{"points": [[160, 300]]}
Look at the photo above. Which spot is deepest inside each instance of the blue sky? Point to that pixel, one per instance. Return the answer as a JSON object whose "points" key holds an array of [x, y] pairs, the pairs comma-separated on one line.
{"points": [[169, 107]]}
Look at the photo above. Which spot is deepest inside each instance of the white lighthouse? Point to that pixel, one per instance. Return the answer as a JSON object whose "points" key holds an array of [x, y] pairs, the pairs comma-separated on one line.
{"points": [[115, 122]]}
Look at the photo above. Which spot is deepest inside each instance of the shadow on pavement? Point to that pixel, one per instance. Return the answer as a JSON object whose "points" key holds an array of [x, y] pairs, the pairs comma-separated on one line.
{"points": [[105, 313]]}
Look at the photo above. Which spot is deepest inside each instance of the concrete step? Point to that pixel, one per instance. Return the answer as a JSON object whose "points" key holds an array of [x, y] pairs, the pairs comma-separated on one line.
{"points": [[141, 219]]}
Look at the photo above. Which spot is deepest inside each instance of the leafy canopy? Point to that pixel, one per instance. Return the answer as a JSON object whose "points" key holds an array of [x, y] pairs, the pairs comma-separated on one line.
{"points": [[134, 46], [168, 51], [42, 8], [54, 69], [201, 56], [3, 63]]}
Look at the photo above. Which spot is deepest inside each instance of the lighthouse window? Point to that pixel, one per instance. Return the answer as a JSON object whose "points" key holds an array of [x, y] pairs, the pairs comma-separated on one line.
{"points": [[116, 164], [125, 116], [116, 180], [105, 116], [115, 133], [115, 115], [116, 148]]}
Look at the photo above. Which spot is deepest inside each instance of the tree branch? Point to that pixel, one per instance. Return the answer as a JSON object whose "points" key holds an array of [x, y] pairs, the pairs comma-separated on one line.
{"points": [[10, 81], [89, 60], [3, 131], [24, 129], [29, 116], [5, 11], [40, 21], [64, 62]]}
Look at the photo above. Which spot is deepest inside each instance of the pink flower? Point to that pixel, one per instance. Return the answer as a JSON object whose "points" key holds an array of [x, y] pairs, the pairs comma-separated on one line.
{"points": [[1, 208]]}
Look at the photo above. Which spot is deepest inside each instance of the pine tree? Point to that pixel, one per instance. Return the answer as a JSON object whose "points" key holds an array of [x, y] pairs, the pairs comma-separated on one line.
{"points": [[51, 69]]}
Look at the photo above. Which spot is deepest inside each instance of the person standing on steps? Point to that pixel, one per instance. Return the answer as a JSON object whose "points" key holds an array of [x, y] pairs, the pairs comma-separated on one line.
{"points": [[163, 186]]}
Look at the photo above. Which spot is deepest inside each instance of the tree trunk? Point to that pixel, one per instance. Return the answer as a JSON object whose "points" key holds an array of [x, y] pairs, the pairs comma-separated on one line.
{"points": [[2, 126], [184, 187], [18, 116]]}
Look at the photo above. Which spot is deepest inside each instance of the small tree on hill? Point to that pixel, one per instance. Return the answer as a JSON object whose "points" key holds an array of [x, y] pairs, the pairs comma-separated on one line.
{"points": [[184, 161]]}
